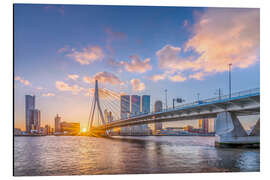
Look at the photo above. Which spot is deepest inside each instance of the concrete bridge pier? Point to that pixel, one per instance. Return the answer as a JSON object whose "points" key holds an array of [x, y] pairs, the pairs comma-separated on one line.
{"points": [[230, 132]]}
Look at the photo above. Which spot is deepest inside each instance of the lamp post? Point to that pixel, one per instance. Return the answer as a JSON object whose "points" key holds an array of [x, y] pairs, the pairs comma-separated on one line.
{"points": [[230, 81]]}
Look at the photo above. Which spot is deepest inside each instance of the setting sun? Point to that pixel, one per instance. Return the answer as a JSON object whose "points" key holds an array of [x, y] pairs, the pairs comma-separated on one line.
{"points": [[84, 130]]}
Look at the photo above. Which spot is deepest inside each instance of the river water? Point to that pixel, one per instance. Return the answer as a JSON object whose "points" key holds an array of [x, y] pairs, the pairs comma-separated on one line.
{"points": [[81, 155]]}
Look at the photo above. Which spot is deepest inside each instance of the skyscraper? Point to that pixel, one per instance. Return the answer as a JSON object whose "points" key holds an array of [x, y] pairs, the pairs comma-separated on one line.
{"points": [[145, 108], [57, 121], [124, 106], [145, 104], [203, 124], [124, 112], [35, 119], [158, 108], [135, 104], [29, 105]]}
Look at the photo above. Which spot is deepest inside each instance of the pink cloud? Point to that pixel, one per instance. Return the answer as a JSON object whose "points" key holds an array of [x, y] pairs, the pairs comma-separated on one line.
{"points": [[158, 77], [221, 36], [135, 65], [62, 86], [22, 80], [137, 85], [73, 76], [103, 77], [48, 94], [87, 55], [177, 78]]}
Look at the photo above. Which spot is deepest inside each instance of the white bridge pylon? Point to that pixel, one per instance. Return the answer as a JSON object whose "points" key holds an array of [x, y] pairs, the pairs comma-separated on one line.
{"points": [[96, 103]]}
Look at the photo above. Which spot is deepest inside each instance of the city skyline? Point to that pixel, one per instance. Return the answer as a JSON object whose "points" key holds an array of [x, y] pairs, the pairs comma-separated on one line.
{"points": [[174, 48]]}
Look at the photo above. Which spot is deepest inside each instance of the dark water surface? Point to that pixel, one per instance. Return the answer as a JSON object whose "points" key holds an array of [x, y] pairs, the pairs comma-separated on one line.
{"points": [[81, 155]]}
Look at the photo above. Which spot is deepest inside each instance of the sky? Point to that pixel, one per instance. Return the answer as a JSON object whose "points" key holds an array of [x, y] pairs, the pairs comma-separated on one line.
{"points": [[60, 49]]}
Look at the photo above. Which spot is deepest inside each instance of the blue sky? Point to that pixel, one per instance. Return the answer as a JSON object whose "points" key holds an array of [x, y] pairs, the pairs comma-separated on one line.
{"points": [[132, 50]]}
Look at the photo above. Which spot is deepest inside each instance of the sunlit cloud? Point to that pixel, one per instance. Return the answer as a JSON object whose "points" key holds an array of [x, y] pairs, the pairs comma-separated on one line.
{"points": [[63, 49], [135, 65], [103, 77], [40, 88], [62, 86], [137, 85], [198, 76], [158, 77], [224, 36], [221, 36], [177, 78], [87, 55], [73, 76], [48, 94], [22, 80]]}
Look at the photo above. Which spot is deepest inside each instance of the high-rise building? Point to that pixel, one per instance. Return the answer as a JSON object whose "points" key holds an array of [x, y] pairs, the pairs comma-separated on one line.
{"points": [[135, 104], [203, 124], [124, 106], [29, 105], [145, 104], [124, 112], [70, 128], [158, 108], [57, 121], [35, 120], [145, 108]]}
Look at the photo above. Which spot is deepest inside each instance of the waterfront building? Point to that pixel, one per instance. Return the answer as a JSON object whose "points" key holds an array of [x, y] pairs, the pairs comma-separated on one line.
{"points": [[35, 120], [203, 124], [57, 121], [158, 108], [124, 112], [145, 108], [29, 105], [70, 128], [124, 106], [135, 105], [135, 109]]}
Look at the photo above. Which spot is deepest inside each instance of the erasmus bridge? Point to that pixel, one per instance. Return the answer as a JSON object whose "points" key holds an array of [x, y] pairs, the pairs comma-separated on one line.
{"points": [[225, 109]]}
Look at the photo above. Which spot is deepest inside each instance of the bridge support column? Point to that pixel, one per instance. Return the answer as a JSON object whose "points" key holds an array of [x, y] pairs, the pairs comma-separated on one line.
{"points": [[230, 132]]}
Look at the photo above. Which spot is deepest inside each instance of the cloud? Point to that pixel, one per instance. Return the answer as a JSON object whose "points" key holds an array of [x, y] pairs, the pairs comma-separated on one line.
{"points": [[87, 55], [62, 86], [158, 77], [48, 94], [73, 76], [198, 76], [185, 24], [177, 78], [63, 49], [220, 36], [137, 85], [227, 35], [135, 65], [112, 36], [22, 80], [103, 77]]}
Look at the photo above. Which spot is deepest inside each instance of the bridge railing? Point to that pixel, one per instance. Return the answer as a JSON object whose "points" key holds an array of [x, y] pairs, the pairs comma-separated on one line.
{"points": [[201, 102]]}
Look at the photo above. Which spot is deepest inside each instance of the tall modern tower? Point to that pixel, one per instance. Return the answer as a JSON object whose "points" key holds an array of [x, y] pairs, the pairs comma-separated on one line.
{"points": [[29, 105], [145, 104], [124, 106], [57, 122], [135, 104], [203, 124], [158, 108], [35, 119]]}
